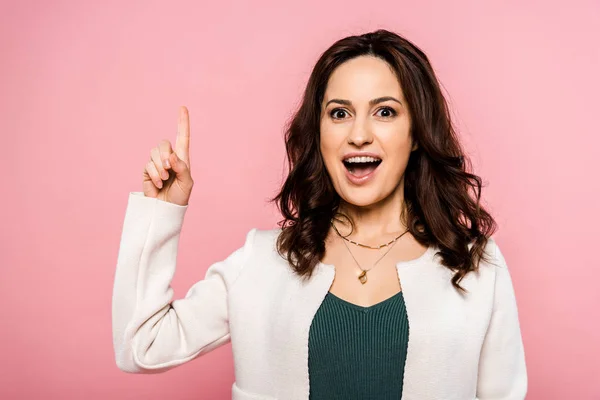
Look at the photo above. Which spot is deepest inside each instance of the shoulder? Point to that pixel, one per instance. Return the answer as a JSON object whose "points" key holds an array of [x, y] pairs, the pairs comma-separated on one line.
{"points": [[496, 258], [492, 256], [261, 243], [266, 235], [503, 286], [263, 259], [257, 238], [492, 279], [491, 269], [265, 239]]}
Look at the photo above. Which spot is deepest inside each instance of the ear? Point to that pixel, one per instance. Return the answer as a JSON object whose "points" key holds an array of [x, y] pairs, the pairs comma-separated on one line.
{"points": [[415, 146]]}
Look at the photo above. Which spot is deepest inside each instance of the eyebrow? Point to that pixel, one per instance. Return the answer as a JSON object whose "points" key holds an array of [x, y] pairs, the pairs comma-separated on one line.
{"points": [[371, 103]]}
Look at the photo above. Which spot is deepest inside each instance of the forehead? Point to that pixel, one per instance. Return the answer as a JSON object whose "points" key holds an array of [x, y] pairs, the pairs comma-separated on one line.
{"points": [[362, 79]]}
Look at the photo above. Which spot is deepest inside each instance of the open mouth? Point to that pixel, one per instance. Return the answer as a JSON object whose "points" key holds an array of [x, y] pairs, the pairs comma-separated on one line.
{"points": [[361, 166]]}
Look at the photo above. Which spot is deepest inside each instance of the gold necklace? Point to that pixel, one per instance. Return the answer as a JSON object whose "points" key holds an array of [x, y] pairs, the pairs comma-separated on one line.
{"points": [[366, 245], [363, 275]]}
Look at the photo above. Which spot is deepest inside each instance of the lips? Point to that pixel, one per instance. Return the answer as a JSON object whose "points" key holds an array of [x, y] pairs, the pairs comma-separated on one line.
{"points": [[360, 167]]}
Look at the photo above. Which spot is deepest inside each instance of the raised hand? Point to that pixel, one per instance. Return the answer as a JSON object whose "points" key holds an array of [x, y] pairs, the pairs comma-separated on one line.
{"points": [[167, 176]]}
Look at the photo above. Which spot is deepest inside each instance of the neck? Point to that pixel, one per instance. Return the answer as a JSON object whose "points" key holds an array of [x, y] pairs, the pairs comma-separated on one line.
{"points": [[376, 221]]}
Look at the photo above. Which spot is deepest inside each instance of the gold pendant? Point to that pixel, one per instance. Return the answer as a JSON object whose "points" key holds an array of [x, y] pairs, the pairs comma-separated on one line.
{"points": [[363, 277]]}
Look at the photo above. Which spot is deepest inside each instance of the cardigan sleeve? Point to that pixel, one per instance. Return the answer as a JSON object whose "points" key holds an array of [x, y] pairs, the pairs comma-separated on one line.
{"points": [[152, 332], [502, 370]]}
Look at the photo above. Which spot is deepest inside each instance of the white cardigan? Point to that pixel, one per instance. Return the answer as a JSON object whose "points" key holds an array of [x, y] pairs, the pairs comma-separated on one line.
{"points": [[460, 347]]}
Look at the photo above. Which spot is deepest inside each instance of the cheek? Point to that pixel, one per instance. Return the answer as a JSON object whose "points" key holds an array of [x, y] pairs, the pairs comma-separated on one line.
{"points": [[330, 144], [398, 152]]}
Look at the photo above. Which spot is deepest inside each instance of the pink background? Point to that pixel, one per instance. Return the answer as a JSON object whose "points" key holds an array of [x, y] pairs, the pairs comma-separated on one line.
{"points": [[88, 89]]}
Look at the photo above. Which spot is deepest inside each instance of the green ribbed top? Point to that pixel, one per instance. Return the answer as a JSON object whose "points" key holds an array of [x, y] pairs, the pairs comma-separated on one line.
{"points": [[357, 352]]}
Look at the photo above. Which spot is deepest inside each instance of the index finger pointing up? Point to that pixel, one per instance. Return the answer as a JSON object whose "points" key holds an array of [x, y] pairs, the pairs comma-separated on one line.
{"points": [[182, 144]]}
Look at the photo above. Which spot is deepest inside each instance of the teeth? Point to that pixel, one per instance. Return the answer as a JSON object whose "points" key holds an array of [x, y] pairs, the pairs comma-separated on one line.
{"points": [[361, 159]]}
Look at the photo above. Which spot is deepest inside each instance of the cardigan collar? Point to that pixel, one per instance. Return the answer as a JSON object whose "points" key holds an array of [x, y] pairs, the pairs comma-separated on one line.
{"points": [[311, 295]]}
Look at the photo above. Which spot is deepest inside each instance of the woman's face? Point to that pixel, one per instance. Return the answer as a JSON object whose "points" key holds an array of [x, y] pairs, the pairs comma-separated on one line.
{"points": [[365, 131]]}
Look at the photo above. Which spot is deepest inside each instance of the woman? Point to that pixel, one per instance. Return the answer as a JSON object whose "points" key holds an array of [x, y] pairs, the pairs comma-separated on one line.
{"points": [[383, 281]]}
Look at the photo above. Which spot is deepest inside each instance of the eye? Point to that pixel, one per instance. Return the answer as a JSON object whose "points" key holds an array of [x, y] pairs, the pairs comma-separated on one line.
{"points": [[338, 113], [387, 112]]}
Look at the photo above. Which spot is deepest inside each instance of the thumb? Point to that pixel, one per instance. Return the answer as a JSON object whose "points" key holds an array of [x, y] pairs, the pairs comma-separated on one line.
{"points": [[182, 172]]}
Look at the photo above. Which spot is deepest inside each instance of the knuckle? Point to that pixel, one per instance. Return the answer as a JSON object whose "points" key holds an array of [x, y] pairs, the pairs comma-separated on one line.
{"points": [[156, 161], [151, 171], [164, 144]]}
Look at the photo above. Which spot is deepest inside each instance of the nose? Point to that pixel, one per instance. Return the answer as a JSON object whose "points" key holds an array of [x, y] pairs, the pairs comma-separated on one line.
{"points": [[360, 134]]}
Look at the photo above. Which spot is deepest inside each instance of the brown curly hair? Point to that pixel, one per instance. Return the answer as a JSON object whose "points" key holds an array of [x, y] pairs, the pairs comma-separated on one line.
{"points": [[441, 198]]}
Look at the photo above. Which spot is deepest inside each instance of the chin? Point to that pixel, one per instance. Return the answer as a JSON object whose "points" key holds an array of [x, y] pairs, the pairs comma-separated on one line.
{"points": [[361, 197]]}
